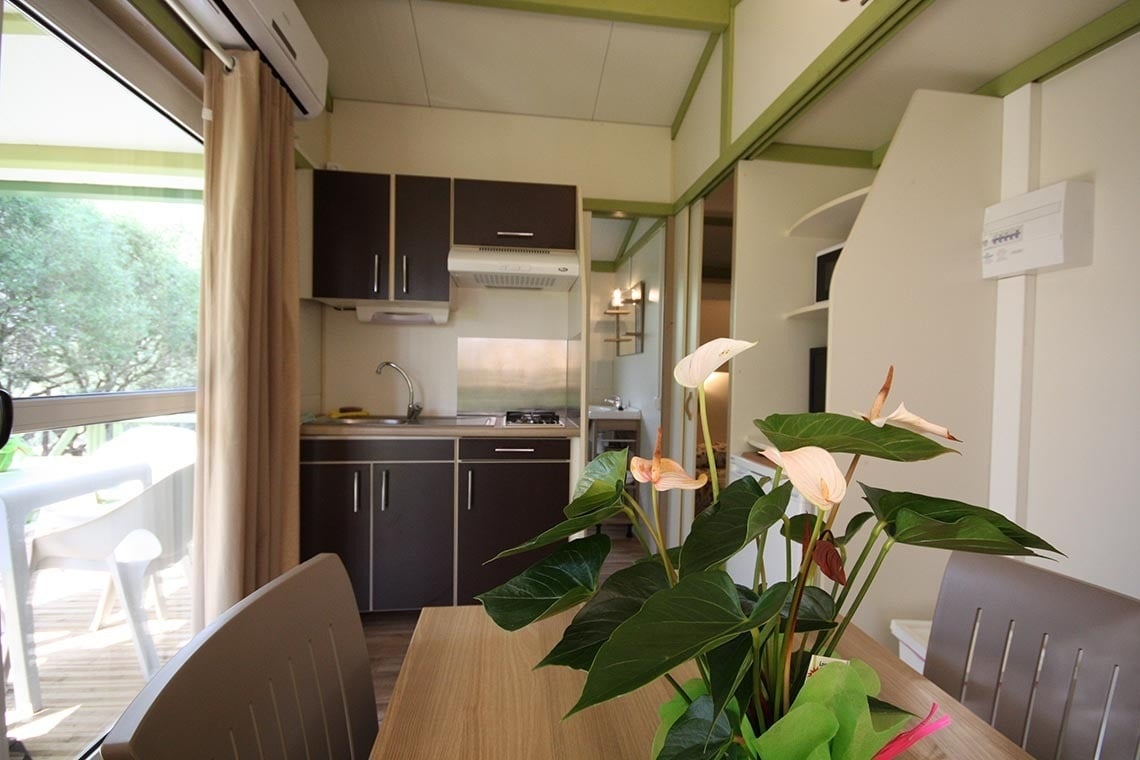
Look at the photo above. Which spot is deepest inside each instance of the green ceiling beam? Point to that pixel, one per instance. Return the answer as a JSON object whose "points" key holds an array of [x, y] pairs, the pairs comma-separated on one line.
{"points": [[707, 15], [171, 27], [120, 192], [727, 54], [68, 158], [879, 153], [870, 30], [642, 241], [817, 154], [1090, 39], [694, 83], [597, 265], [615, 209], [628, 236], [17, 23]]}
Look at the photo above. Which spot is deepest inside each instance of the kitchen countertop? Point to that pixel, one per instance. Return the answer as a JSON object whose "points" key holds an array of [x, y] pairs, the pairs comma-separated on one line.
{"points": [[438, 427]]}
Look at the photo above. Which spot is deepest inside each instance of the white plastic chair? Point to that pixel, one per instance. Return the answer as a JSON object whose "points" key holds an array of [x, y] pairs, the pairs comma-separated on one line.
{"points": [[148, 532]]}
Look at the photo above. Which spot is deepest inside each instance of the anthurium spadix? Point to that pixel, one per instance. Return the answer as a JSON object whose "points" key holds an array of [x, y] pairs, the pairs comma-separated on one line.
{"points": [[694, 369], [813, 472], [904, 418]]}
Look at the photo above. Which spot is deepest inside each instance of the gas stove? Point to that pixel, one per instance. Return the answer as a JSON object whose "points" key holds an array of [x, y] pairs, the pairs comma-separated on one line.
{"points": [[532, 417]]}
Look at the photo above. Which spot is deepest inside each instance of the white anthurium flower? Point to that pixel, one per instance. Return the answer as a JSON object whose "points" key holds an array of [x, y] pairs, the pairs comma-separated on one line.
{"points": [[695, 368], [814, 474], [904, 418]]}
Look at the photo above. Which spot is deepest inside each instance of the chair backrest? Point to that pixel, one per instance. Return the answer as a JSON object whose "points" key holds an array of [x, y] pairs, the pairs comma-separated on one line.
{"points": [[1051, 662], [165, 508], [284, 673]]}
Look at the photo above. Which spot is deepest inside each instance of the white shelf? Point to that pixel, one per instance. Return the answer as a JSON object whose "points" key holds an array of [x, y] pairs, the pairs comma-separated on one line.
{"points": [[833, 219], [819, 307]]}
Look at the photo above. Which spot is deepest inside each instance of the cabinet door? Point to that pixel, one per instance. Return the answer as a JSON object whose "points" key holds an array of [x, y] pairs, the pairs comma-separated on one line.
{"points": [[335, 518], [350, 235], [503, 504], [413, 516], [515, 214], [423, 237]]}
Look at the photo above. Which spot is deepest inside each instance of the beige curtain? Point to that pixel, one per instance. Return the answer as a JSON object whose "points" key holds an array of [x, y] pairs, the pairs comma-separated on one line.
{"points": [[246, 496]]}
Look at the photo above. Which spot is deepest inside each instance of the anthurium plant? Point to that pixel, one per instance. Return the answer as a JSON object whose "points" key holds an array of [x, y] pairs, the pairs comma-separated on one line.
{"points": [[769, 687]]}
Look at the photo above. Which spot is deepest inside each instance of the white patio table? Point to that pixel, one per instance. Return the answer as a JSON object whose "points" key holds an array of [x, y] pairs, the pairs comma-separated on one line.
{"points": [[38, 483]]}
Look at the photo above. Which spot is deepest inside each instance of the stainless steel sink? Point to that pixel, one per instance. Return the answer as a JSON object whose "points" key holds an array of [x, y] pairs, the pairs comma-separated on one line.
{"points": [[370, 420], [385, 420]]}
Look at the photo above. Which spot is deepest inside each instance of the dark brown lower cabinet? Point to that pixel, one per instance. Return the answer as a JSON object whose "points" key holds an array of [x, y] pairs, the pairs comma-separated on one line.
{"points": [[412, 533], [502, 504], [335, 517]]}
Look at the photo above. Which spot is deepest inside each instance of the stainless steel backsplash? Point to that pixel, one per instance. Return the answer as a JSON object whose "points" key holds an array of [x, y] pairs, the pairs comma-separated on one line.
{"points": [[496, 374]]}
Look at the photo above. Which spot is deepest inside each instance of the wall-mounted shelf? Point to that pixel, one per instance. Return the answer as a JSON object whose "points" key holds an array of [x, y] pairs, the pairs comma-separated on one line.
{"points": [[833, 219], [819, 307]]}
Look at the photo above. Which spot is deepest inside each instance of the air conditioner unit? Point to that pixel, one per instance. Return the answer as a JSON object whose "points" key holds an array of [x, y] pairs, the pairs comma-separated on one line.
{"points": [[276, 29]]}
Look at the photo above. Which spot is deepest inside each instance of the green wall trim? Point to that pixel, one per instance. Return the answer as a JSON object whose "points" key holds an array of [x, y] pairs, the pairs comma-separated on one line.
{"points": [[694, 83], [68, 158], [727, 55], [597, 265], [870, 30], [628, 236], [879, 153], [817, 154], [75, 190], [1090, 39], [17, 23], [171, 27], [632, 250], [707, 15], [608, 207]]}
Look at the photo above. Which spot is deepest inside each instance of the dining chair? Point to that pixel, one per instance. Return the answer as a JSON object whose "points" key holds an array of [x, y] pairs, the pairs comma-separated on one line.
{"points": [[144, 534], [284, 673], [1051, 662]]}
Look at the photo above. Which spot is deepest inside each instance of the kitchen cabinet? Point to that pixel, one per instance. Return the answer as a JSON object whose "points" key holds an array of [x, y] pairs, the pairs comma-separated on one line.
{"points": [[351, 215], [386, 506], [510, 490], [423, 238], [515, 214]]}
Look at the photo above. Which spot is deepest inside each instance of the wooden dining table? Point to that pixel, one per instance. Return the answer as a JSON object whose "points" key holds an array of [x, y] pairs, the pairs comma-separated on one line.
{"points": [[469, 689]]}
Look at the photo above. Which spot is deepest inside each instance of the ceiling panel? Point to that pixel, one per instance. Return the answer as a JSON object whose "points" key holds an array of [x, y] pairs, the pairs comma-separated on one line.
{"points": [[646, 73], [486, 59], [955, 46], [372, 50], [606, 236]]}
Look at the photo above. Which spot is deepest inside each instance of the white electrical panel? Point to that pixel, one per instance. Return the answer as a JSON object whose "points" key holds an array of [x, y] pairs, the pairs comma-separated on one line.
{"points": [[1045, 229]]}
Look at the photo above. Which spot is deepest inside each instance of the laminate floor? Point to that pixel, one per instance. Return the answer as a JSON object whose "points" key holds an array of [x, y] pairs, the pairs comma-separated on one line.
{"points": [[389, 633]]}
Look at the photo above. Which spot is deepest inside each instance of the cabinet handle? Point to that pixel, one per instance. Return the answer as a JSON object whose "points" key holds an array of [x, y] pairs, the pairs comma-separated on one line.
{"points": [[515, 451], [356, 492], [405, 275], [515, 234], [470, 474], [376, 273], [383, 490]]}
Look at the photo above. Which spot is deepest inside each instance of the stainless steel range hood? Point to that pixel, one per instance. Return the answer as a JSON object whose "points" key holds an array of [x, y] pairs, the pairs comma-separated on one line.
{"points": [[515, 268]]}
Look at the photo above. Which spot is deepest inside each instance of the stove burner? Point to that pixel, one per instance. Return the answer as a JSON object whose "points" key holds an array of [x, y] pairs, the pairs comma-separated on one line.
{"points": [[532, 417]]}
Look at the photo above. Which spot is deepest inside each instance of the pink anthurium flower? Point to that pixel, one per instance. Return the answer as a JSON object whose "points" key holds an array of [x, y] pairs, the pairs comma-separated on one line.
{"points": [[664, 474], [907, 739], [904, 418], [814, 474], [695, 368]]}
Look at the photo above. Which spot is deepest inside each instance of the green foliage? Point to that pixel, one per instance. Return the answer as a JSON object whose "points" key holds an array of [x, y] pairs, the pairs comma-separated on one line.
{"points": [[840, 434], [699, 733], [91, 303], [723, 529], [600, 485]]}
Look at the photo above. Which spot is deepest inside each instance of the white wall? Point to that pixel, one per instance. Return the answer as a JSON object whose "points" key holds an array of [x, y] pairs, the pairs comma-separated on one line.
{"points": [[1083, 478], [698, 140], [908, 291], [716, 317], [600, 373]]}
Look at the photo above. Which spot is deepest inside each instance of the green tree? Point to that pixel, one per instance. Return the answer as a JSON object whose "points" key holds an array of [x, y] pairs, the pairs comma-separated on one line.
{"points": [[91, 303]]}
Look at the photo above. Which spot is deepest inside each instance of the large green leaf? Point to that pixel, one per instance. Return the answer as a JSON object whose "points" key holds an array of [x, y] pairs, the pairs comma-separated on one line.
{"points": [[619, 598], [728, 664], [721, 531], [768, 510], [841, 434], [854, 525], [697, 735], [567, 577], [671, 712], [913, 518], [816, 612], [600, 484], [562, 530], [674, 625]]}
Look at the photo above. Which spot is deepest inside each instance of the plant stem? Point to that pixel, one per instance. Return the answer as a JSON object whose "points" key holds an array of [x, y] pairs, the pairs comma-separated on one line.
{"points": [[859, 563], [677, 686], [859, 598], [710, 455], [787, 547], [633, 521], [850, 474], [760, 576], [797, 595], [756, 683], [661, 547]]}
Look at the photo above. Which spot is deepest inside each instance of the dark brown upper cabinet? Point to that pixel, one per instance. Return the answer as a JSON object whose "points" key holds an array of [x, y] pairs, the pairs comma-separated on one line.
{"points": [[423, 237], [515, 214], [350, 234]]}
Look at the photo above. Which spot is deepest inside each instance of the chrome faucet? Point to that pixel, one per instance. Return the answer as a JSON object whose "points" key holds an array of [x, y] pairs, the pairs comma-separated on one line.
{"points": [[414, 409], [614, 401]]}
